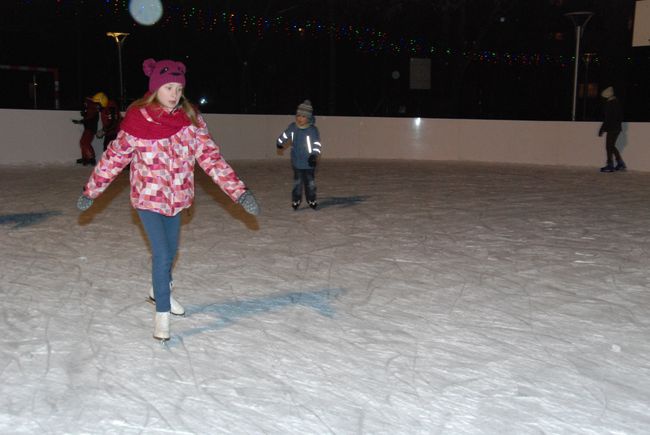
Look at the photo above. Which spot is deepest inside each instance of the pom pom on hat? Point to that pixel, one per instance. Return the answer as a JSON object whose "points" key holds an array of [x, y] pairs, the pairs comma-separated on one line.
{"points": [[607, 92], [163, 72], [305, 109]]}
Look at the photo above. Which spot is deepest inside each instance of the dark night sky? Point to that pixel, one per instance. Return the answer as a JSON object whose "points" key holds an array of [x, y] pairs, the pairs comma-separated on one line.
{"points": [[241, 71]]}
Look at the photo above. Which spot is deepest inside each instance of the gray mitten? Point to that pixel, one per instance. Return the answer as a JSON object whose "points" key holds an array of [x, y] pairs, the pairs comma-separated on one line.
{"points": [[247, 200], [84, 203]]}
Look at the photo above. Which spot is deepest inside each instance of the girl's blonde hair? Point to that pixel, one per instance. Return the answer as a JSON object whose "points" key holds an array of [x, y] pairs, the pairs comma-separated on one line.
{"points": [[185, 105]]}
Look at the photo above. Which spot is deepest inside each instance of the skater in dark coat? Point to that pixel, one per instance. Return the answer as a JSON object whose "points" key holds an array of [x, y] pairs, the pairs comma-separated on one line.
{"points": [[612, 119], [111, 118], [92, 107], [304, 139]]}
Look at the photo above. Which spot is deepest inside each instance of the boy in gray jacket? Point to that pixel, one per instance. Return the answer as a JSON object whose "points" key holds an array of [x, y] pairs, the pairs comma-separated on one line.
{"points": [[304, 139]]}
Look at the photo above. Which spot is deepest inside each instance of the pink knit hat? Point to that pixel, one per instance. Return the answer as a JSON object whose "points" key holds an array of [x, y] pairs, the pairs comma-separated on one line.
{"points": [[163, 72]]}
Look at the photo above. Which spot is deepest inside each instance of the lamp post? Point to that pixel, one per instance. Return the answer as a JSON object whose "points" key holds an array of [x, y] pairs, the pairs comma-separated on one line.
{"points": [[585, 88], [119, 37], [580, 20]]}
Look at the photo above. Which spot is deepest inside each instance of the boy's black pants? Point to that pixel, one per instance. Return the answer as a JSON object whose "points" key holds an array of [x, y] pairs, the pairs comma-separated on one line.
{"points": [[303, 177]]}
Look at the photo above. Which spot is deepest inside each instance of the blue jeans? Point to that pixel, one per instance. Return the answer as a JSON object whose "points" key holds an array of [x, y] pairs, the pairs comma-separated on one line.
{"points": [[163, 232]]}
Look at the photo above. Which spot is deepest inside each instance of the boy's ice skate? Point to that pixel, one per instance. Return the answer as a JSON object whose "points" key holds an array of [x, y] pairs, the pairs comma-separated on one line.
{"points": [[607, 168], [295, 205], [313, 204]]}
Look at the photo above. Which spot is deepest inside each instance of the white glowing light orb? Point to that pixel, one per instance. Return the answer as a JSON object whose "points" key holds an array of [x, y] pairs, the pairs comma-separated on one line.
{"points": [[146, 12]]}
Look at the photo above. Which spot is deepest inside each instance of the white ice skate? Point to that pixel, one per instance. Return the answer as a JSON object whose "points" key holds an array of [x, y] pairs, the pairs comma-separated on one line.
{"points": [[161, 326], [176, 308]]}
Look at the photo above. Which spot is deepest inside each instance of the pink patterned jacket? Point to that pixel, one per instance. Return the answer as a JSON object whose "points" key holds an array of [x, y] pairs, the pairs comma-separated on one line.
{"points": [[162, 170]]}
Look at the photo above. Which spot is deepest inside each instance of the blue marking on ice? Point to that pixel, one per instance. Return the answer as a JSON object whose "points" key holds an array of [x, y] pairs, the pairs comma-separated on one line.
{"points": [[21, 220], [344, 201], [228, 313]]}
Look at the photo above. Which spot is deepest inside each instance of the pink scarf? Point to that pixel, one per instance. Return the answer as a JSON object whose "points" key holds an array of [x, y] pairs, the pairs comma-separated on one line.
{"points": [[152, 122]]}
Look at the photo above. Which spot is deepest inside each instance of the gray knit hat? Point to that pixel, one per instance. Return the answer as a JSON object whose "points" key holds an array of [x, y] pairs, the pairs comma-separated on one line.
{"points": [[305, 109]]}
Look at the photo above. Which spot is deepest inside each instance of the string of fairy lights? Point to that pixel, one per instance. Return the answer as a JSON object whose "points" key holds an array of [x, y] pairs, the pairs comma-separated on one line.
{"points": [[365, 39]]}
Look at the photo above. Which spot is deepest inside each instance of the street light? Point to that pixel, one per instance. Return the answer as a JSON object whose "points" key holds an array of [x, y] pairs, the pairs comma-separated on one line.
{"points": [[580, 20], [587, 57], [119, 40]]}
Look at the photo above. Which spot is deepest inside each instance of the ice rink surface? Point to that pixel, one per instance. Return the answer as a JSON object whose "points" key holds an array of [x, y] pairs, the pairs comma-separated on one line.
{"points": [[422, 298]]}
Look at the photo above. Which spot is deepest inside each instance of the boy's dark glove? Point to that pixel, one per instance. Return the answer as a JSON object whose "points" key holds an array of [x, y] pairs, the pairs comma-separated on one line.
{"points": [[84, 203], [600, 132], [279, 146], [77, 121], [312, 160], [247, 200]]}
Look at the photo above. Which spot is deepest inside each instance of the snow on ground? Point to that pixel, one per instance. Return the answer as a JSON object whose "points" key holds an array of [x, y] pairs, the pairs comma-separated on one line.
{"points": [[423, 297]]}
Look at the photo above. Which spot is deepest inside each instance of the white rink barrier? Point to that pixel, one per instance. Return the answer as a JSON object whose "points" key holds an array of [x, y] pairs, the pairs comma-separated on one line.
{"points": [[49, 136]]}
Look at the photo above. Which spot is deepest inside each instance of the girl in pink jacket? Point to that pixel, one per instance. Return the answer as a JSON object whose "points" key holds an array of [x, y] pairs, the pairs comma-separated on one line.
{"points": [[162, 136]]}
